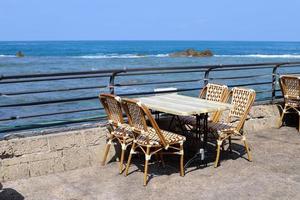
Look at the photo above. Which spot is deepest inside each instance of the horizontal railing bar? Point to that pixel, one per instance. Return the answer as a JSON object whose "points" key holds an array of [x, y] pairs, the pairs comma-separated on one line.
{"points": [[239, 77], [162, 72], [258, 65], [49, 114], [250, 84], [263, 91], [55, 123], [92, 109], [55, 90], [242, 68], [49, 102], [95, 97], [53, 79], [159, 82], [248, 68], [160, 92], [96, 76], [294, 73]]}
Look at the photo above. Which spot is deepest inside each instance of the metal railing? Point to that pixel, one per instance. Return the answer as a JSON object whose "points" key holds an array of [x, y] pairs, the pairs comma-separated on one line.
{"points": [[262, 77]]}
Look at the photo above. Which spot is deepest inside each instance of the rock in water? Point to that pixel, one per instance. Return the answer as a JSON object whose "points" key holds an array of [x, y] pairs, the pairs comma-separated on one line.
{"points": [[20, 54], [192, 53]]}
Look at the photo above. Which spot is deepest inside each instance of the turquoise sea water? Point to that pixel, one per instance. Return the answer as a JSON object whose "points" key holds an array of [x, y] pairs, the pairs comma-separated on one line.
{"points": [[62, 56], [89, 55]]}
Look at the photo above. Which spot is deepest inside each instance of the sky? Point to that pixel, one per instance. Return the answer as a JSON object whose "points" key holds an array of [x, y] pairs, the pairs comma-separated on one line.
{"points": [[233, 20]]}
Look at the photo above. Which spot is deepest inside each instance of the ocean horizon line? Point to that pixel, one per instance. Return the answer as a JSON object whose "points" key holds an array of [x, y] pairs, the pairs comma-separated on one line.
{"points": [[150, 40]]}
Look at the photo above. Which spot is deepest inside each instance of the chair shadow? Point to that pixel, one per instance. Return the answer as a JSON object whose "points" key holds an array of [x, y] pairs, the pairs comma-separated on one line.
{"points": [[289, 119], [238, 151], [155, 167], [9, 194]]}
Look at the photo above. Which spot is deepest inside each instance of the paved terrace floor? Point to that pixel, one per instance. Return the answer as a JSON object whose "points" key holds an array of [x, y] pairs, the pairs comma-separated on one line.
{"points": [[274, 174]]}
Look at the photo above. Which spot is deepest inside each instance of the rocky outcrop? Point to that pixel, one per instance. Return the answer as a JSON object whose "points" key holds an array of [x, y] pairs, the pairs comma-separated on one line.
{"points": [[192, 53], [20, 54]]}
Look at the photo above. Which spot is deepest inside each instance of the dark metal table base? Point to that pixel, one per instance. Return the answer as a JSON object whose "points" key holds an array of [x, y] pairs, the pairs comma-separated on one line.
{"points": [[200, 130]]}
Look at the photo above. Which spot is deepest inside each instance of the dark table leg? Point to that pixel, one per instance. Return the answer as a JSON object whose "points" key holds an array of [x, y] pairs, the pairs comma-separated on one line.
{"points": [[200, 154]]}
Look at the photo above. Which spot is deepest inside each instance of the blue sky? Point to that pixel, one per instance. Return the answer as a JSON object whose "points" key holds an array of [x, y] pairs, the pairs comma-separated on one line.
{"points": [[271, 20]]}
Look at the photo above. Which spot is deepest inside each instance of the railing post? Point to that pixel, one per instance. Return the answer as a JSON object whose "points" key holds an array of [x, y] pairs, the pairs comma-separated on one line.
{"points": [[206, 76], [111, 85], [274, 79]]}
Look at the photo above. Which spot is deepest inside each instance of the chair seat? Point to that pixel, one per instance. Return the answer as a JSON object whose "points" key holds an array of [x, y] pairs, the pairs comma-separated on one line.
{"points": [[190, 120], [123, 132], [293, 103], [171, 138], [221, 129]]}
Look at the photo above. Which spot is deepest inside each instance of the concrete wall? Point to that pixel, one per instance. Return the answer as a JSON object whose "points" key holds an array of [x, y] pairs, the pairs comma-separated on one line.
{"points": [[46, 154]]}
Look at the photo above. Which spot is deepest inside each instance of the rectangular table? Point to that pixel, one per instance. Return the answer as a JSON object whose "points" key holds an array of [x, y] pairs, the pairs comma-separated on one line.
{"points": [[181, 105]]}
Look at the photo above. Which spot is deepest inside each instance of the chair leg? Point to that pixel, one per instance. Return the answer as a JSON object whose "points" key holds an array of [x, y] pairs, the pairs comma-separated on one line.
{"points": [[247, 148], [147, 158], [123, 146], [107, 147], [129, 159], [281, 117], [181, 160], [230, 147], [299, 123], [219, 143]]}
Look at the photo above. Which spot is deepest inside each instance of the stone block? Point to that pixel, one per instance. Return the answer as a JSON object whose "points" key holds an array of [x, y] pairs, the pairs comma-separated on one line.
{"points": [[93, 136], [11, 161], [6, 149], [264, 111], [65, 141], [58, 165], [14, 172], [20, 146], [38, 144], [41, 167]]}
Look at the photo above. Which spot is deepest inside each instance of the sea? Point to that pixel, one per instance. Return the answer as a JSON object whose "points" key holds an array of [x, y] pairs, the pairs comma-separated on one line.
{"points": [[69, 56]]}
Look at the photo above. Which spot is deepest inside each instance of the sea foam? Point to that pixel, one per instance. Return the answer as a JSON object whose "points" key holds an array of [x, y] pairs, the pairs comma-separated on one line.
{"points": [[7, 56], [121, 56], [262, 56]]}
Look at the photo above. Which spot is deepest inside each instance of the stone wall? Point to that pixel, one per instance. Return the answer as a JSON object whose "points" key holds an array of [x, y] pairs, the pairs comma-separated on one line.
{"points": [[46, 154], [262, 117]]}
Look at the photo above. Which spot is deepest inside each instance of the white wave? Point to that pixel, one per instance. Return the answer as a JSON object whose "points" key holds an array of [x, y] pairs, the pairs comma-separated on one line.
{"points": [[7, 56], [121, 56], [262, 56]]}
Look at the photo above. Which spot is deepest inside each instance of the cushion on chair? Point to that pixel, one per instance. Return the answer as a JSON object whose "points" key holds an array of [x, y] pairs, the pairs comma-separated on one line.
{"points": [[171, 138], [220, 129], [119, 131]]}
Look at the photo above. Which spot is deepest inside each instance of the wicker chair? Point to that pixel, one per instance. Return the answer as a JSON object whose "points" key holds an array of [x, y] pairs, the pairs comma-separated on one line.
{"points": [[290, 86], [119, 131], [217, 93], [242, 100], [150, 140], [212, 92]]}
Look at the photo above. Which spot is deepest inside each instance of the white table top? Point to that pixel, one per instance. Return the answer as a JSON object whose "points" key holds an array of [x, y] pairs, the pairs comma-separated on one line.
{"points": [[182, 105]]}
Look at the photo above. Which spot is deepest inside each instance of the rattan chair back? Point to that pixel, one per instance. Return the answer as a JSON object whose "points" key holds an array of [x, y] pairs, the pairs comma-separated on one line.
{"points": [[138, 114], [217, 93], [242, 100], [214, 92], [113, 108], [290, 86]]}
